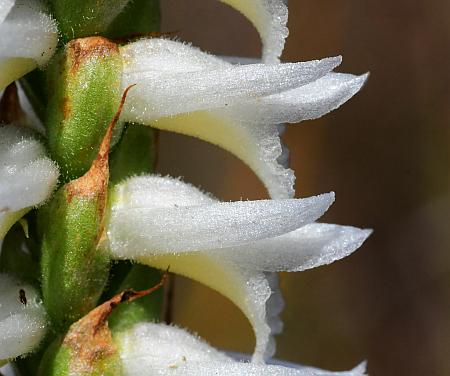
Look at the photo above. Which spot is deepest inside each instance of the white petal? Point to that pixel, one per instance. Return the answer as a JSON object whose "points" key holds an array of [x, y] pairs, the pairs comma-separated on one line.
{"points": [[29, 38], [250, 130], [308, 247], [248, 290], [184, 90], [306, 102], [274, 306], [166, 350], [156, 221], [237, 273], [27, 176], [5, 8], [270, 18], [139, 222], [152, 217], [257, 145], [173, 78], [22, 326]]}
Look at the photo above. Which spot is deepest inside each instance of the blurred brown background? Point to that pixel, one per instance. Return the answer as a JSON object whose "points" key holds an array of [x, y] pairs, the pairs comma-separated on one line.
{"points": [[386, 154]]}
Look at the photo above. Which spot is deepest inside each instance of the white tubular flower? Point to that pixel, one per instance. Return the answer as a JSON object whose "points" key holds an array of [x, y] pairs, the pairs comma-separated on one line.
{"points": [[270, 18], [162, 222], [159, 349], [22, 318], [237, 107], [27, 176], [29, 38]]}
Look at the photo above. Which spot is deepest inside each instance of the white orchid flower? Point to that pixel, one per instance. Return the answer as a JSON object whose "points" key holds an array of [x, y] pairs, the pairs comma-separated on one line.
{"points": [[29, 38], [228, 246], [22, 318], [237, 107], [27, 176], [159, 349]]}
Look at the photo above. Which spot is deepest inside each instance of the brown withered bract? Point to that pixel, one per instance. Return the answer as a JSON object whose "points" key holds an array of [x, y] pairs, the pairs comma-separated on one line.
{"points": [[82, 48], [90, 338]]}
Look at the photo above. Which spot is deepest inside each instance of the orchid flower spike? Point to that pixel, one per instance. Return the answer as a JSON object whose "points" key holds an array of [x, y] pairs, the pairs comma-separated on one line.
{"points": [[228, 246], [160, 349], [237, 107], [29, 38], [22, 318], [27, 176]]}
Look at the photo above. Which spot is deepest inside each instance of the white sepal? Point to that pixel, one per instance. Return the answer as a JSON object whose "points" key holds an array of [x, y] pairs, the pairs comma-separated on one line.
{"points": [[160, 349], [5, 8], [27, 176], [22, 324], [174, 78], [308, 247], [29, 38], [147, 215]]}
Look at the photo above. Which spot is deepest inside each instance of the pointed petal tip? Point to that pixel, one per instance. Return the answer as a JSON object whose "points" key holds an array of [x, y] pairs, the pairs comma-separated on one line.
{"points": [[360, 369], [330, 196], [366, 232], [361, 80], [327, 64], [325, 200], [359, 237], [335, 60]]}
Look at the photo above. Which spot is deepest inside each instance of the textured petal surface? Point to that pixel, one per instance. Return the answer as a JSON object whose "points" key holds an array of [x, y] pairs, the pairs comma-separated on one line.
{"points": [[308, 247], [29, 38], [5, 8], [247, 289], [139, 223], [173, 78], [27, 176], [184, 90], [305, 102], [22, 326], [166, 350], [156, 221], [270, 18]]}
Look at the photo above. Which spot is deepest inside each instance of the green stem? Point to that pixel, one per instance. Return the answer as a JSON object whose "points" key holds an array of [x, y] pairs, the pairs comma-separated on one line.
{"points": [[83, 18]]}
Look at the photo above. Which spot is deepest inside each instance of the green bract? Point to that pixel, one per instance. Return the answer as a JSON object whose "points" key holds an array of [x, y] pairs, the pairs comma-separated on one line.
{"points": [[74, 271], [84, 82]]}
